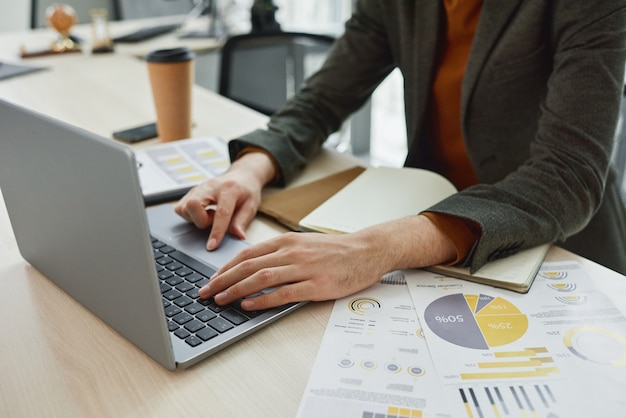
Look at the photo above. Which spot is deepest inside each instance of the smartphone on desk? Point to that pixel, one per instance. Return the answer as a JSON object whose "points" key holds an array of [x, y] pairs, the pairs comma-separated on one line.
{"points": [[136, 134]]}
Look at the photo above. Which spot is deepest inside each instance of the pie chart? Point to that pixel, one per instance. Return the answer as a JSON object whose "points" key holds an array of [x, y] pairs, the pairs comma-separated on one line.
{"points": [[476, 321]]}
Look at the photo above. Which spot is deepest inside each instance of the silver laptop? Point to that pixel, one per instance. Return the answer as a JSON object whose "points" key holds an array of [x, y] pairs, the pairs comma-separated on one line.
{"points": [[76, 208]]}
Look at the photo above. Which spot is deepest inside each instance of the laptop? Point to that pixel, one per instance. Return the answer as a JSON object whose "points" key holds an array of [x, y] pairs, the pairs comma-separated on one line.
{"points": [[75, 204]]}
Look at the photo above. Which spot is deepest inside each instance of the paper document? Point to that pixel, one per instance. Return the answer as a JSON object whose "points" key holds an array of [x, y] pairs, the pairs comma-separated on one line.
{"points": [[558, 351], [167, 171], [373, 360]]}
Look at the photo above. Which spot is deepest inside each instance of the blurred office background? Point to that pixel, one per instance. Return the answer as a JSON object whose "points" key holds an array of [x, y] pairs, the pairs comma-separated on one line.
{"points": [[387, 135]]}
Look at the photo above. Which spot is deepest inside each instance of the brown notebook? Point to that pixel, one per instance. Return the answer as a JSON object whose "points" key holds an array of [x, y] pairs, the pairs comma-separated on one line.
{"points": [[289, 206]]}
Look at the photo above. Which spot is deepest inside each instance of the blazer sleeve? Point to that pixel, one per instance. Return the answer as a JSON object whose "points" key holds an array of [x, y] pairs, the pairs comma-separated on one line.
{"points": [[358, 61], [558, 186]]}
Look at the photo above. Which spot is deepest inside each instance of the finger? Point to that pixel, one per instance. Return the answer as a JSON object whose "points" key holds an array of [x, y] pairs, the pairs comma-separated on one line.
{"points": [[242, 219], [190, 206], [266, 278], [222, 217], [253, 252], [180, 209], [240, 269], [198, 215], [294, 292]]}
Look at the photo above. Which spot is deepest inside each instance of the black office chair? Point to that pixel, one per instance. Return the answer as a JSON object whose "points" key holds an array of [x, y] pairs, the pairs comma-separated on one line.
{"points": [[263, 70]]}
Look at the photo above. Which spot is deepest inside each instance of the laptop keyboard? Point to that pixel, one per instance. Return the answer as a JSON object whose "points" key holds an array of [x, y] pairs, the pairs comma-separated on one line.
{"points": [[189, 317]]}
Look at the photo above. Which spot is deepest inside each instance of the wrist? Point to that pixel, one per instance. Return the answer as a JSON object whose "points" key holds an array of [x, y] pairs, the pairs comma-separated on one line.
{"points": [[411, 242], [259, 165]]}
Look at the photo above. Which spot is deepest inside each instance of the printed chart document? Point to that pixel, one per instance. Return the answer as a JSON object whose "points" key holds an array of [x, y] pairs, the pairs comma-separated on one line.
{"points": [[559, 351], [168, 170], [373, 360]]}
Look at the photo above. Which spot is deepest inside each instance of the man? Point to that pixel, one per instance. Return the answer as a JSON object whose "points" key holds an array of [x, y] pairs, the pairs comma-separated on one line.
{"points": [[515, 101]]}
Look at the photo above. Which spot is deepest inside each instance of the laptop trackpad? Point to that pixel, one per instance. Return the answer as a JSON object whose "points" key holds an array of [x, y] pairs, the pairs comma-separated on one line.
{"points": [[166, 225]]}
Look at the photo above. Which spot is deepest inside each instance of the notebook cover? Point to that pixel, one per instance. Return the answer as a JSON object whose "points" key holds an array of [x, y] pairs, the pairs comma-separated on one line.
{"points": [[289, 206]]}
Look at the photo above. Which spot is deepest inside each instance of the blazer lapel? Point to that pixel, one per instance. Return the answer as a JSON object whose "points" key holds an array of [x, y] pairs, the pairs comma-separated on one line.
{"points": [[428, 15], [494, 17]]}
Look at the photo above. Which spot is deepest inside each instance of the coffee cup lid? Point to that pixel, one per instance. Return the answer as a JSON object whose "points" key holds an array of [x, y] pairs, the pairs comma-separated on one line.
{"points": [[170, 55]]}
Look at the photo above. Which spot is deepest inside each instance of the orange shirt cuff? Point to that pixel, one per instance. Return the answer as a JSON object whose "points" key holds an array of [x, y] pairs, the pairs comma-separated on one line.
{"points": [[462, 232], [251, 148]]}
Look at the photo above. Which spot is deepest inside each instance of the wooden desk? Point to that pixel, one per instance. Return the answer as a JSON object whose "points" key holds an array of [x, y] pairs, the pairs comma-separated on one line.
{"points": [[60, 360]]}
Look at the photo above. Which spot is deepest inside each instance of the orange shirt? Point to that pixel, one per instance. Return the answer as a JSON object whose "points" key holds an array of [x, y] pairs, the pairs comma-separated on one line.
{"points": [[447, 141]]}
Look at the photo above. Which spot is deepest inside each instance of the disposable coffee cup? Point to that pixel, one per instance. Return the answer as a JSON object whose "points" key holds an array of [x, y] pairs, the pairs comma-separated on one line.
{"points": [[171, 79]]}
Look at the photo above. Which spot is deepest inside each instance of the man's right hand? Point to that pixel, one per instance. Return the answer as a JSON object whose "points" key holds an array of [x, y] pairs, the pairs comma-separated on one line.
{"points": [[232, 198]]}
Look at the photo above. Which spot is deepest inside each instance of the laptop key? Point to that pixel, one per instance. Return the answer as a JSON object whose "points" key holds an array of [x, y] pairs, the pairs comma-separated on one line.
{"points": [[157, 244], [201, 282], [220, 324], [205, 316], [174, 280], [194, 325], [207, 333], [192, 263], [183, 301], [172, 310], [193, 341], [173, 266], [166, 249], [250, 314], [234, 316], [183, 272], [172, 294], [182, 333], [215, 307], [194, 277], [164, 261], [165, 274], [194, 308], [182, 318], [185, 287]]}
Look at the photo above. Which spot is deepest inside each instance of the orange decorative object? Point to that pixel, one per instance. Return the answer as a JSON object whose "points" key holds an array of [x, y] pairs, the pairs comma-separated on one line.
{"points": [[62, 17]]}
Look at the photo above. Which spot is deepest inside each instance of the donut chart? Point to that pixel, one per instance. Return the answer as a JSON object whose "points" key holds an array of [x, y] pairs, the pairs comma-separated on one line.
{"points": [[596, 344], [476, 321]]}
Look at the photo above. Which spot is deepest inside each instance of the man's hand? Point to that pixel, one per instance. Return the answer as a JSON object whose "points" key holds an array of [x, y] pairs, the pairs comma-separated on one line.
{"points": [[310, 266], [233, 197]]}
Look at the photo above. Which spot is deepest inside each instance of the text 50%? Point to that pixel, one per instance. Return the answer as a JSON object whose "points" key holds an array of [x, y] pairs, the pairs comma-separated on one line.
{"points": [[442, 319]]}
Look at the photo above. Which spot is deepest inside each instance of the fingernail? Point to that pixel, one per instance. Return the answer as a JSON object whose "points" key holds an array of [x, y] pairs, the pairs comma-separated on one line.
{"points": [[247, 304], [211, 244], [203, 292], [220, 297]]}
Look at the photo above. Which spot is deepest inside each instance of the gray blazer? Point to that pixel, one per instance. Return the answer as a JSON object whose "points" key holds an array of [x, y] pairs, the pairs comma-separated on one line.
{"points": [[540, 101]]}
